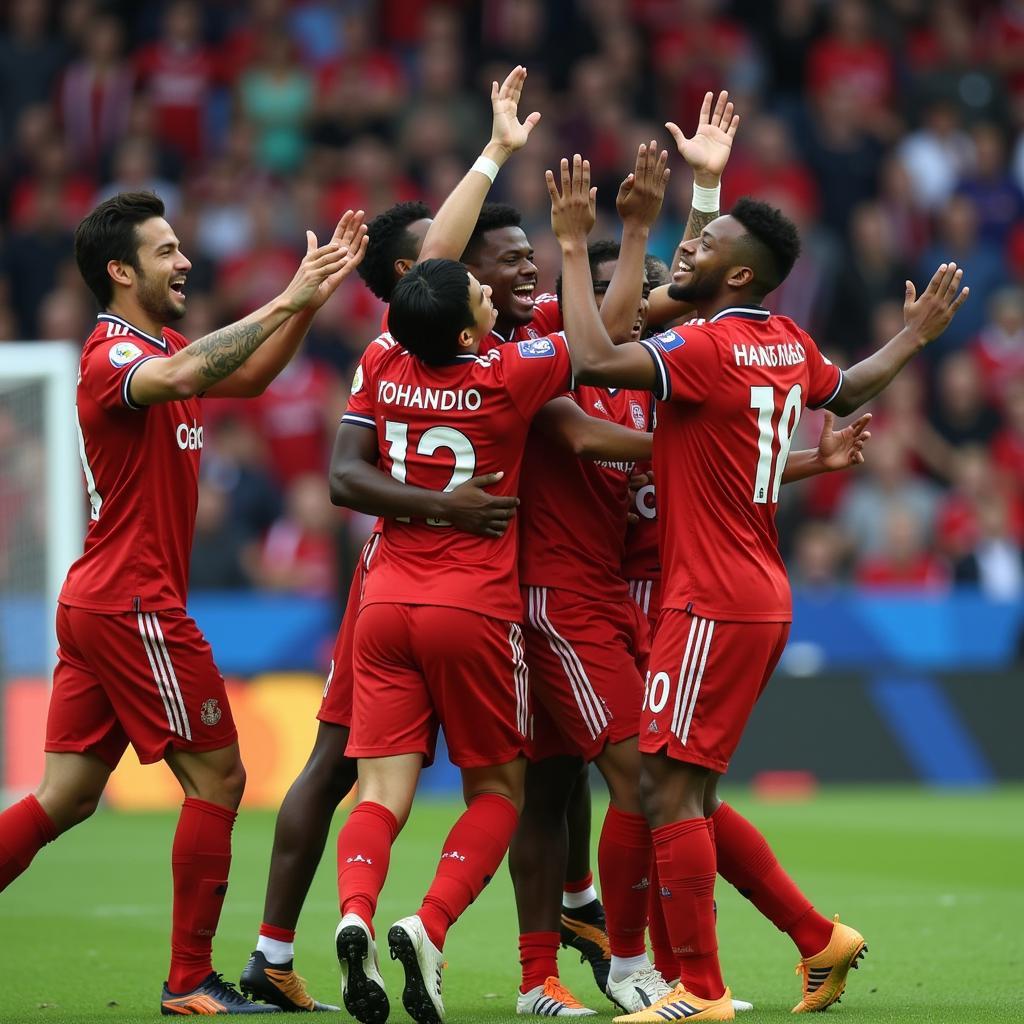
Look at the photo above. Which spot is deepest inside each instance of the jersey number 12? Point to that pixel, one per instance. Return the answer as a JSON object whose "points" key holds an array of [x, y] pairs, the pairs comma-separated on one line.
{"points": [[397, 436]]}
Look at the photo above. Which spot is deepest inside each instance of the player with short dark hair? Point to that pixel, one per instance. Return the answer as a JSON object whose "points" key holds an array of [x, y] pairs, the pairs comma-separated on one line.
{"points": [[399, 236], [438, 640], [396, 237], [132, 666], [730, 389]]}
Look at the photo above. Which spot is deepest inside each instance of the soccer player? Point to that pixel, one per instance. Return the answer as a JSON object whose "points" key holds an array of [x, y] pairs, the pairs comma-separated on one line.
{"points": [[437, 640], [730, 392], [132, 666], [398, 238]]}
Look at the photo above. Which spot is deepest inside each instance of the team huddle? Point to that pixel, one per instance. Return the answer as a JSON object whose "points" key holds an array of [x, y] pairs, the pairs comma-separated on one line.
{"points": [[575, 562]]}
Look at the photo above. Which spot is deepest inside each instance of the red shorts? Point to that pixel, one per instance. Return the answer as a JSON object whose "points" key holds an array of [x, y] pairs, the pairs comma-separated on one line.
{"points": [[584, 657], [704, 679], [145, 678], [647, 594], [336, 706], [421, 666]]}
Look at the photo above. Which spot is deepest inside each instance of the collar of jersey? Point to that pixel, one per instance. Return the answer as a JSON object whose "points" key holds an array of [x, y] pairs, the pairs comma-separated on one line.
{"points": [[112, 318], [743, 313]]}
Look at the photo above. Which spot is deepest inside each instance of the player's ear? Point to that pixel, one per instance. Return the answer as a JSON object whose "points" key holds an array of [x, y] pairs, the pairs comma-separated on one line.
{"points": [[403, 266], [121, 273], [740, 277], [466, 339]]}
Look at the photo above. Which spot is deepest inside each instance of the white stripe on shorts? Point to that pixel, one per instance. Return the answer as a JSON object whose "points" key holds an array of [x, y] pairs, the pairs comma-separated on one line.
{"points": [[521, 676], [163, 674], [691, 672], [590, 707]]}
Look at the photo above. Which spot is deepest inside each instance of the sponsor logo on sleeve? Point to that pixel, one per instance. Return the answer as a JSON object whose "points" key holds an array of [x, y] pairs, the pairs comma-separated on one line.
{"points": [[536, 348], [668, 340], [123, 353], [357, 381]]}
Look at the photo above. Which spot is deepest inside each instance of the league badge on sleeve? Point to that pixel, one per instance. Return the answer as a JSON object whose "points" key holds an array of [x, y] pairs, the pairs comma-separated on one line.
{"points": [[123, 353], [357, 381], [536, 348], [668, 340]]}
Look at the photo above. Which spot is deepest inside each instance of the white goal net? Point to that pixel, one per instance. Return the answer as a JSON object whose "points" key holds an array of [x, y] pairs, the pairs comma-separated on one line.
{"points": [[42, 510]]}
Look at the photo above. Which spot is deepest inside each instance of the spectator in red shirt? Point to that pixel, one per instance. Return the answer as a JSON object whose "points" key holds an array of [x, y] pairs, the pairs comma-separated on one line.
{"points": [[904, 561]]}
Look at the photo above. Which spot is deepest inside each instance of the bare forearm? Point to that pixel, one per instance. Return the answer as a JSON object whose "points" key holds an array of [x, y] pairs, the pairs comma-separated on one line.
{"points": [[584, 330], [357, 485], [803, 464], [447, 236], [218, 354], [614, 443], [870, 376], [622, 300]]}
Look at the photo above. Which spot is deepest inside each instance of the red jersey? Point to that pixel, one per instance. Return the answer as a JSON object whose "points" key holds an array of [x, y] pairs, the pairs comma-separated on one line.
{"points": [[547, 319], [438, 426], [141, 468], [572, 520], [642, 561], [730, 394]]}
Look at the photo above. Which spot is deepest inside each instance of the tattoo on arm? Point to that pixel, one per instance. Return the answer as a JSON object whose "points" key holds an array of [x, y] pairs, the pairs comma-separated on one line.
{"points": [[223, 351], [697, 222]]}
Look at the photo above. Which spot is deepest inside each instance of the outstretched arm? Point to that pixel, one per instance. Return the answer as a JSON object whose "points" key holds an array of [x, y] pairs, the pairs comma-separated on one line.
{"points": [[707, 153], [836, 450], [590, 438], [924, 318], [255, 374], [356, 482], [595, 360], [638, 204], [454, 223], [202, 364]]}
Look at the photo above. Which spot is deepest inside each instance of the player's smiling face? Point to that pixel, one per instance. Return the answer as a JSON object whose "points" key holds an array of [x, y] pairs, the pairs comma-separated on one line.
{"points": [[603, 274], [705, 262], [163, 269], [504, 261]]}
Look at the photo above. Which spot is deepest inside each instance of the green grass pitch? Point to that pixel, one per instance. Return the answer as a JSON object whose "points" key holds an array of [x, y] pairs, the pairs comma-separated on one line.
{"points": [[934, 880]]}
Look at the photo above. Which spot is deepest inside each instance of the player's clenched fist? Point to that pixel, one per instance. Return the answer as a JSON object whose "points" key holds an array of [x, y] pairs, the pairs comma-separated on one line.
{"points": [[574, 207]]}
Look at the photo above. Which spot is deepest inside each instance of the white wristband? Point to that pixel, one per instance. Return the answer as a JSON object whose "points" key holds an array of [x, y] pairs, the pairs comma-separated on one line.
{"points": [[705, 200], [485, 165]]}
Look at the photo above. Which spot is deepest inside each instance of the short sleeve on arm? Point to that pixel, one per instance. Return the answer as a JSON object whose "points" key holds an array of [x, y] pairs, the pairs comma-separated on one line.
{"points": [[360, 400], [107, 370], [686, 363], [547, 315], [824, 377], [536, 371]]}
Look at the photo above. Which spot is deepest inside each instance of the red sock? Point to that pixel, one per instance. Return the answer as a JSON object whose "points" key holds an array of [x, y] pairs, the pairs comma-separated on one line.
{"points": [[665, 962], [25, 828], [580, 886], [686, 869], [538, 953], [271, 931], [624, 861], [472, 853], [746, 861], [200, 859], [364, 853]]}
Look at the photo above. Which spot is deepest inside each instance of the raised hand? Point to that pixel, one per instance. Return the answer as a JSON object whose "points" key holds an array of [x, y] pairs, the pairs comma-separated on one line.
{"points": [[708, 151], [929, 314], [319, 263], [574, 208], [507, 131], [843, 448], [643, 191], [350, 234], [471, 509]]}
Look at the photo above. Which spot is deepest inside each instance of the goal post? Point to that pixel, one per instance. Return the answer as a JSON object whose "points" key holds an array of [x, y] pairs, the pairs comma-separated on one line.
{"points": [[42, 509]]}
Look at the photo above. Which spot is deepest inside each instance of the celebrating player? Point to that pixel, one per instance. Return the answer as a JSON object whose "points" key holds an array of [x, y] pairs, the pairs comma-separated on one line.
{"points": [[731, 390], [132, 666], [437, 639]]}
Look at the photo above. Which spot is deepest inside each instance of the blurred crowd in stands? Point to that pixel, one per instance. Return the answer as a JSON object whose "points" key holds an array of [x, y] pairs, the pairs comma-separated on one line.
{"points": [[892, 132]]}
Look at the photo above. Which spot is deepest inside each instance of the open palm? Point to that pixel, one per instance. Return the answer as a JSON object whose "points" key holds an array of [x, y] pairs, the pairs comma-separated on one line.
{"points": [[351, 234], [506, 129], [707, 152]]}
